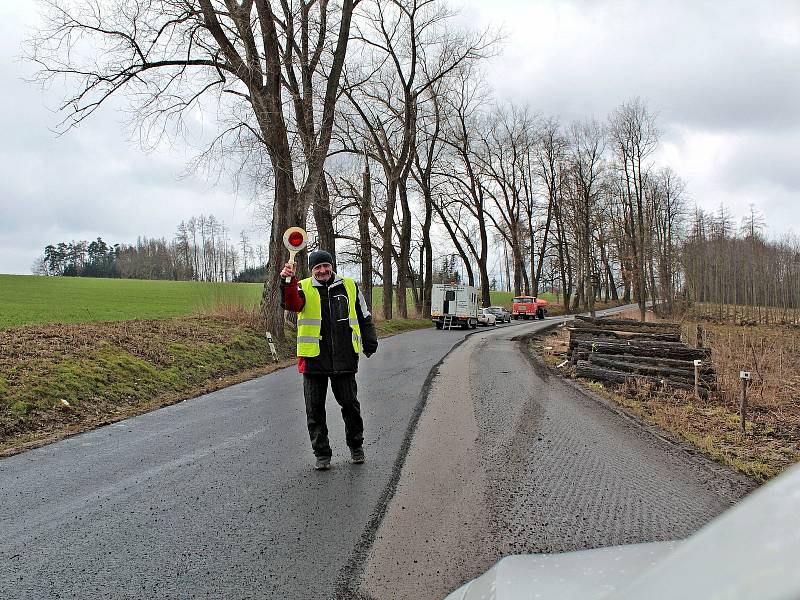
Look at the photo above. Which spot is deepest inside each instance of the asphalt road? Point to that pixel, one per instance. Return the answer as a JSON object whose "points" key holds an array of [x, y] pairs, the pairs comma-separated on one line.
{"points": [[215, 497]]}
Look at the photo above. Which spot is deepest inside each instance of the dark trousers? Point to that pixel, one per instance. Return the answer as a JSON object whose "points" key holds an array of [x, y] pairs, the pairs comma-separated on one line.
{"points": [[315, 388]]}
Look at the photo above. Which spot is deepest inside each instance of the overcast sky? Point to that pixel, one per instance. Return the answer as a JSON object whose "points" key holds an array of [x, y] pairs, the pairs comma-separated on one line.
{"points": [[723, 77]]}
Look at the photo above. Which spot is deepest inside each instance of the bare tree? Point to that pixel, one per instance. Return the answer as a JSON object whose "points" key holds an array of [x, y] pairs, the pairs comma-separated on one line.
{"points": [[634, 138], [586, 172], [460, 170], [550, 158], [504, 149], [171, 56], [667, 191], [426, 156], [409, 49]]}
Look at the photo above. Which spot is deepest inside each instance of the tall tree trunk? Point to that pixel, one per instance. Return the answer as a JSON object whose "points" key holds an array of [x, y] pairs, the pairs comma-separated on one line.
{"points": [[364, 216], [427, 280], [587, 248], [285, 214], [386, 257], [641, 275], [531, 236], [526, 282], [326, 237], [542, 248], [612, 285], [517, 260], [405, 251], [419, 280], [653, 288], [482, 267]]}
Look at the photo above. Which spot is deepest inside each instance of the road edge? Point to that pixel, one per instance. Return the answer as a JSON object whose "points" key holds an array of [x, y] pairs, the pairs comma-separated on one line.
{"points": [[697, 455], [347, 587]]}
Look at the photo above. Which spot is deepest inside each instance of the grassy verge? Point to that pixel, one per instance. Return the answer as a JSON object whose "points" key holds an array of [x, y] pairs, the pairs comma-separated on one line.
{"points": [[771, 442], [61, 379]]}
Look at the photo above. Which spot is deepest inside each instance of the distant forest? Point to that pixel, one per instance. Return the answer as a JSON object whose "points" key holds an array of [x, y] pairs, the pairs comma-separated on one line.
{"points": [[200, 251], [740, 273]]}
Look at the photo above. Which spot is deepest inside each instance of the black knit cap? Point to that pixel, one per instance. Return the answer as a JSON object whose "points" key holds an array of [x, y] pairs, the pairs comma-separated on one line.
{"points": [[317, 257]]}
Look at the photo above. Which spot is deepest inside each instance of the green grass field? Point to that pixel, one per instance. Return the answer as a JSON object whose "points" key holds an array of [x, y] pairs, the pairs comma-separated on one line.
{"points": [[26, 299]]}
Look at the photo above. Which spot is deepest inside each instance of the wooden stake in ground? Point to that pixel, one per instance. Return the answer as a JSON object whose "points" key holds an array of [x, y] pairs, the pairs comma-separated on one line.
{"points": [[744, 378], [697, 364]]}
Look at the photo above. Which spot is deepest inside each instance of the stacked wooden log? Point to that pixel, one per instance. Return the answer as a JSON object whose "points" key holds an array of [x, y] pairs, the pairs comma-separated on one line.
{"points": [[618, 350]]}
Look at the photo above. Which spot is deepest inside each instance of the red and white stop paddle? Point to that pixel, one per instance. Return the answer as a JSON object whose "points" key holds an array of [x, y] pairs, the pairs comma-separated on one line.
{"points": [[295, 239]]}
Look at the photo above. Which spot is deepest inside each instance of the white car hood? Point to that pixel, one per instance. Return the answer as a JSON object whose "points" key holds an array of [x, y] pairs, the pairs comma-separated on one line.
{"points": [[587, 574]]}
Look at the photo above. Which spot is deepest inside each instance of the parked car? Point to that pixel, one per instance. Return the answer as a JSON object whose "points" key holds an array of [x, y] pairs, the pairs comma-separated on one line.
{"points": [[486, 317], [502, 314]]}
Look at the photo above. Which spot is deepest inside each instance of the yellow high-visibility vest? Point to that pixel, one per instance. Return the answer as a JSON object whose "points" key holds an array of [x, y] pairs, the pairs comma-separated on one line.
{"points": [[309, 320]]}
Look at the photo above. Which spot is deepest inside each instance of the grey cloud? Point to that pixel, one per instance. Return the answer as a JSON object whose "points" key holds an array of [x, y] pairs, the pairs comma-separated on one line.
{"points": [[709, 64], [725, 67], [766, 158], [92, 181]]}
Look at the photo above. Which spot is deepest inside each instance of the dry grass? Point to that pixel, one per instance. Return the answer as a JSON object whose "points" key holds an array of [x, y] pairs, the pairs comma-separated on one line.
{"points": [[771, 441], [745, 315], [245, 316]]}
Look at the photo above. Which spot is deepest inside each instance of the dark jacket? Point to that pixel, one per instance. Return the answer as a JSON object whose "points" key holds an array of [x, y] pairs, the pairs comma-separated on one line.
{"points": [[336, 354]]}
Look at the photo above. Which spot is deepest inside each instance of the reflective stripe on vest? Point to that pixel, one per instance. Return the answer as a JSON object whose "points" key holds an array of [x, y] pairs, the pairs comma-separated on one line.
{"points": [[309, 320]]}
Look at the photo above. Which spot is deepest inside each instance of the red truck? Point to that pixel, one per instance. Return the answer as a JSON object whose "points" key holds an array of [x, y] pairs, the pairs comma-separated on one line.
{"points": [[528, 307]]}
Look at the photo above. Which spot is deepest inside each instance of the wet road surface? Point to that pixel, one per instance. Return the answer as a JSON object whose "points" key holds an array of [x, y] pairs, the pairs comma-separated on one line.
{"points": [[215, 497]]}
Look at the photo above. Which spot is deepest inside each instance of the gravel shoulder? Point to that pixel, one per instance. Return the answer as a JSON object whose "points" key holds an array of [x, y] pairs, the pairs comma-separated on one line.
{"points": [[440, 503]]}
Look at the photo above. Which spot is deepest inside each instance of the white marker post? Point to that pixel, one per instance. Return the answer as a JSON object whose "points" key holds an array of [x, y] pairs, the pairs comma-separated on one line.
{"points": [[744, 378], [272, 347], [697, 364], [295, 239]]}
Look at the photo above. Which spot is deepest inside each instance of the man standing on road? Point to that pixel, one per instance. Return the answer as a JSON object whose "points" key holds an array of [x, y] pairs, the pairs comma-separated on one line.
{"points": [[333, 325]]}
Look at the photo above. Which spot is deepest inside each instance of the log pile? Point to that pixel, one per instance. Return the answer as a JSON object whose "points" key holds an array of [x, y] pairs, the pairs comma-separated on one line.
{"points": [[619, 350]]}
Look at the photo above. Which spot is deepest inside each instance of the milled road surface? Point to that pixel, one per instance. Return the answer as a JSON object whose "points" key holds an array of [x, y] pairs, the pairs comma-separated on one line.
{"points": [[508, 459], [215, 498]]}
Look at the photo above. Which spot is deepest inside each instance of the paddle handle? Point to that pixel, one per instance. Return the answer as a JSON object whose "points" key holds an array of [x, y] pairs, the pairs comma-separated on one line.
{"points": [[292, 254]]}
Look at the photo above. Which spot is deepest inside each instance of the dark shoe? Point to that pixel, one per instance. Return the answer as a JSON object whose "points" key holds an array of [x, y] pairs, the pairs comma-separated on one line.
{"points": [[357, 455], [323, 463]]}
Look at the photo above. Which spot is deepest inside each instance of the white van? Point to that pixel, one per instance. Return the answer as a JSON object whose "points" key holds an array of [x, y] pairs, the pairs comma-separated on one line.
{"points": [[454, 305]]}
